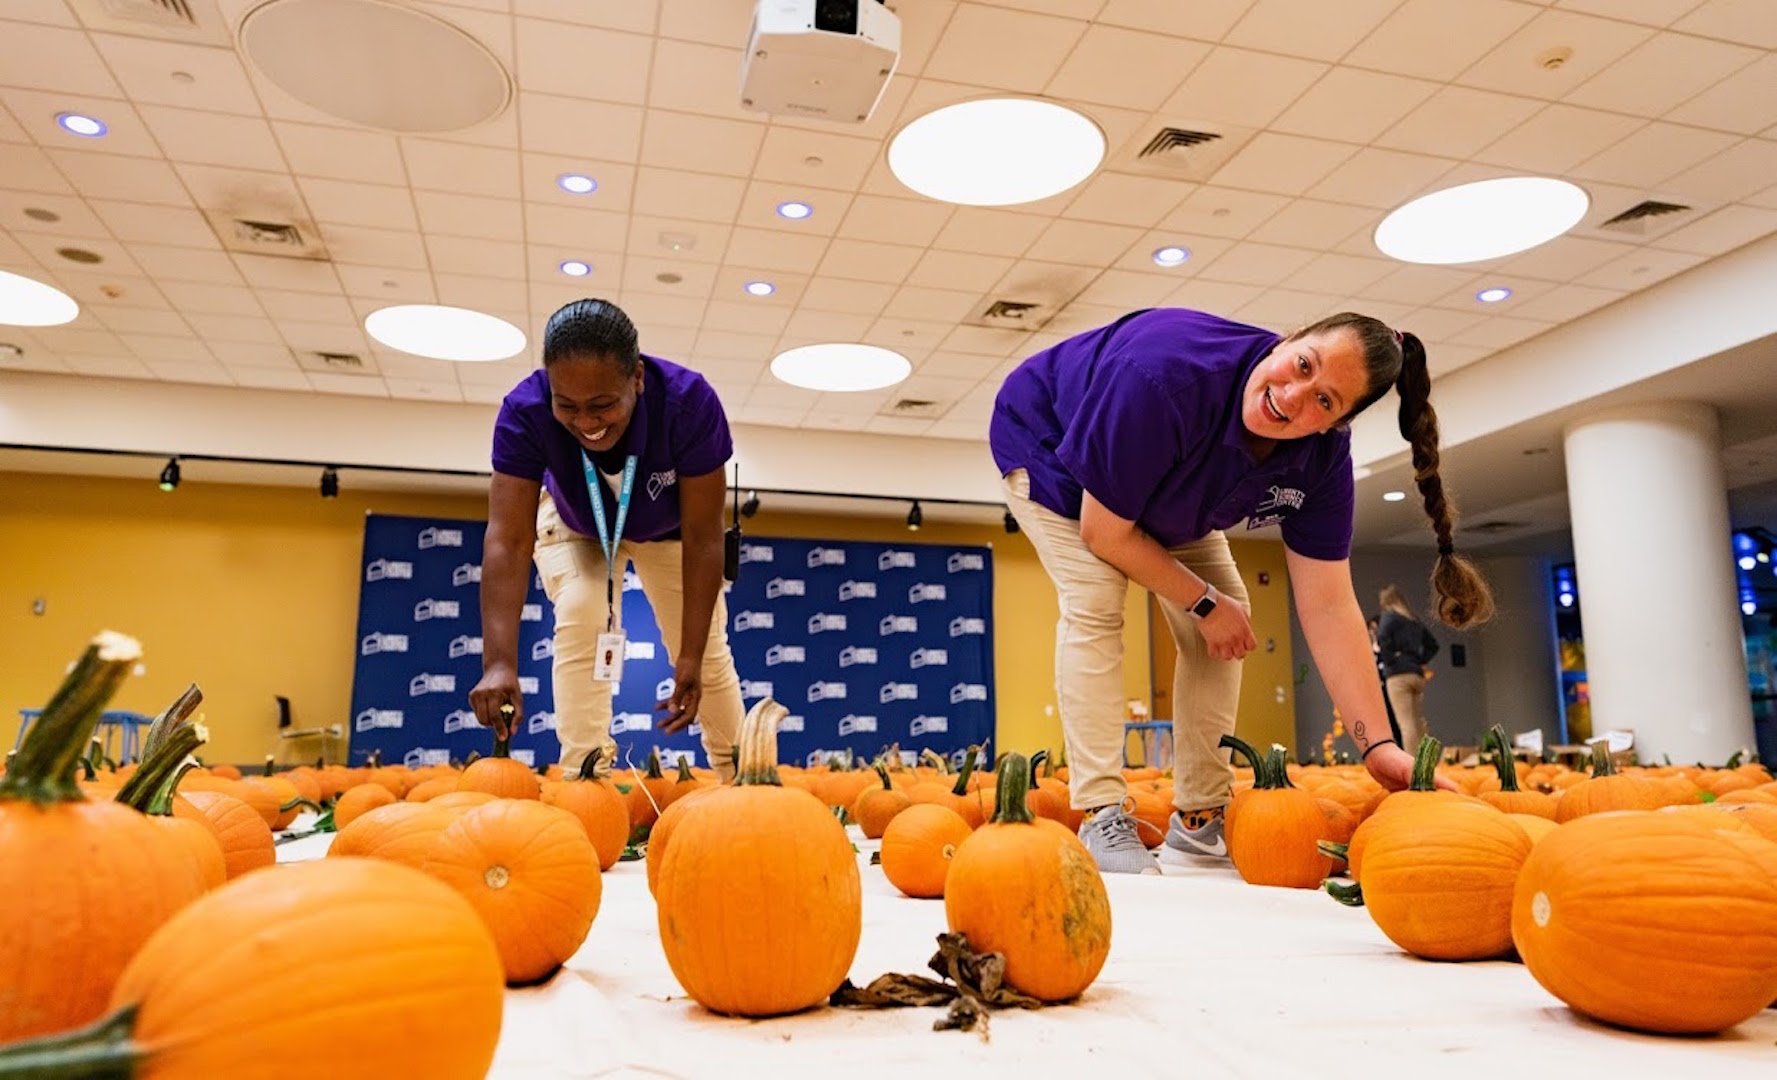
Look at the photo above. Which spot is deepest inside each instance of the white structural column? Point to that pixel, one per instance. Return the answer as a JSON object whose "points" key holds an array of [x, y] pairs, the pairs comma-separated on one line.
{"points": [[1665, 656]]}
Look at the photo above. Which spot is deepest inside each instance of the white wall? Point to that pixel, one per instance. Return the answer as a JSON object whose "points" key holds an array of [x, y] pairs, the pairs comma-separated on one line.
{"points": [[1520, 688]]}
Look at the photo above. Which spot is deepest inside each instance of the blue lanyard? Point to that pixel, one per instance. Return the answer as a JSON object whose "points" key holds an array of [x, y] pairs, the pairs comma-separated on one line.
{"points": [[595, 490]]}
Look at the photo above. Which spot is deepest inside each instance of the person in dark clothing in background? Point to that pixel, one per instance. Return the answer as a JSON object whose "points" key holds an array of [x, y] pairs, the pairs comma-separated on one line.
{"points": [[1406, 647]]}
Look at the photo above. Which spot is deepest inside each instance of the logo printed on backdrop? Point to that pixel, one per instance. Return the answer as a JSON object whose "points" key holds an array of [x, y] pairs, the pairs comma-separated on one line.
{"points": [[786, 654], [898, 624], [778, 586], [631, 580], [857, 590], [825, 556], [624, 722], [963, 626], [466, 574], [821, 622], [529, 757], [856, 654], [427, 683], [543, 648], [751, 553], [460, 720], [538, 722], [421, 755], [527, 684], [968, 692], [662, 690], [755, 620], [898, 691], [851, 724], [435, 537], [464, 645], [756, 688], [962, 560], [929, 658], [436, 609], [382, 643], [825, 691], [792, 722], [923, 724], [898, 560], [638, 650], [378, 718], [923, 592], [660, 481], [388, 568], [531, 613]]}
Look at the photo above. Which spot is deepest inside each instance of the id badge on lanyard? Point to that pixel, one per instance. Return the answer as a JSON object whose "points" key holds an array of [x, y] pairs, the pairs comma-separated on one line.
{"points": [[607, 663]]}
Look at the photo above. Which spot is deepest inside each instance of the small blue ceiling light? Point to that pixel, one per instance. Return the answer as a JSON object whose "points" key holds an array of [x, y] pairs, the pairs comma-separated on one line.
{"points": [[87, 127], [1493, 295], [1171, 256], [575, 268], [795, 211], [576, 184], [760, 288]]}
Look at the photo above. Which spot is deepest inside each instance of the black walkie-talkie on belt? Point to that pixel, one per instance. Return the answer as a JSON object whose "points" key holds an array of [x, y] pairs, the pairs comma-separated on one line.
{"points": [[731, 538]]}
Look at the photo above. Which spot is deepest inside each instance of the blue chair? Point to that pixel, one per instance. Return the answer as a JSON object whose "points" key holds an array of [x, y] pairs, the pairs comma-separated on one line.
{"points": [[1155, 739], [119, 725]]}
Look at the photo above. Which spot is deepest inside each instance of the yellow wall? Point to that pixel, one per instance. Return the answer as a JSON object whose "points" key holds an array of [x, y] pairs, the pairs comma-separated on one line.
{"points": [[1263, 718], [252, 592]]}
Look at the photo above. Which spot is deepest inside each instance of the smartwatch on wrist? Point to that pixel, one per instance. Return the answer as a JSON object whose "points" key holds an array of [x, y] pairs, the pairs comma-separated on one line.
{"points": [[1207, 604]]}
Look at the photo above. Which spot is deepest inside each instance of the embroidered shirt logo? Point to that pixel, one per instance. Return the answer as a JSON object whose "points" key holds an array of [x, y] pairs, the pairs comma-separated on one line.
{"points": [[660, 481], [1277, 505]]}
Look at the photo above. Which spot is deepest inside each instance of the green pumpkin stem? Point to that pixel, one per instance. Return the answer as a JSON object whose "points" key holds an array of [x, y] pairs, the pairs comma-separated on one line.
{"points": [[589, 765], [1349, 895], [1342, 852], [161, 805], [1277, 759], [757, 745], [44, 769], [270, 769], [1010, 806], [103, 1050], [1735, 759], [882, 772], [160, 766], [685, 770], [171, 717], [1425, 765], [1263, 775], [654, 772], [1601, 763], [502, 747], [1503, 761], [961, 787]]}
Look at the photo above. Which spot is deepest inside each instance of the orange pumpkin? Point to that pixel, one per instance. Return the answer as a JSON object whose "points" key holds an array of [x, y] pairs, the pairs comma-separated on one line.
{"points": [[151, 790], [501, 776], [759, 899], [877, 806], [598, 806], [646, 792], [429, 789], [1273, 827], [1535, 826], [683, 784], [359, 799], [400, 832], [660, 836], [1649, 921], [1608, 790], [245, 838], [917, 848], [1510, 798], [1029, 890], [461, 799]]}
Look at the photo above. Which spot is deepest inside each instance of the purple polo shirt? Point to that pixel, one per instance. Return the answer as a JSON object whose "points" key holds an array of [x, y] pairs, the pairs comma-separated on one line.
{"points": [[679, 429], [1145, 414]]}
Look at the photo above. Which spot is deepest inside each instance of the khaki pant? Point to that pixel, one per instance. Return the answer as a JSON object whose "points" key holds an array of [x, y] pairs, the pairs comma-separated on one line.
{"points": [[573, 570], [1406, 695], [1089, 662]]}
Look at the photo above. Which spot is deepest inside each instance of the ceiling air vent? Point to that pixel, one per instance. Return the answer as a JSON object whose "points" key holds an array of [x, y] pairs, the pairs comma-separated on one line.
{"points": [[264, 230], [196, 21], [1170, 140], [268, 234], [327, 362], [915, 408], [1491, 528], [1640, 218], [1179, 151]]}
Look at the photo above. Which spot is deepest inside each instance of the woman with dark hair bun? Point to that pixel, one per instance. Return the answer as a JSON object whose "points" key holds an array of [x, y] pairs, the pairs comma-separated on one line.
{"points": [[604, 457], [1126, 450]]}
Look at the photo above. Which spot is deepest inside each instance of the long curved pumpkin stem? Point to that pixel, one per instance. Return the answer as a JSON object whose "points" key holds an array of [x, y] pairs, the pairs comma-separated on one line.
{"points": [[1245, 750], [1503, 761], [961, 787], [44, 768], [654, 772], [502, 747], [1277, 759], [1010, 807], [589, 765], [1349, 895], [104, 1050], [171, 717], [757, 744], [1601, 763], [684, 770], [160, 766], [882, 772], [1425, 765]]}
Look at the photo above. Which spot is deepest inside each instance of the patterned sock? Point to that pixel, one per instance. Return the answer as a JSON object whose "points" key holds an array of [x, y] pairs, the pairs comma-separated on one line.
{"points": [[1197, 819]]}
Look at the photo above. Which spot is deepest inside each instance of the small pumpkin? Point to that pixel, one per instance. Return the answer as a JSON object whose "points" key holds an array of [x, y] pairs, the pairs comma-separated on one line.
{"points": [[359, 799], [918, 846], [245, 838], [400, 832], [661, 834], [877, 806], [1609, 790], [597, 805], [683, 784], [1510, 798], [1274, 827], [501, 776], [646, 792]]}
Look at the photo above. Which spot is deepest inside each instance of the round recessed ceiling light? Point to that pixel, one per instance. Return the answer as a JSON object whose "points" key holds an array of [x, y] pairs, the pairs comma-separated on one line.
{"points": [[996, 151], [445, 333], [576, 184], [1483, 220], [575, 268], [1493, 295], [841, 367], [87, 127], [28, 302], [760, 288], [1393, 496], [1171, 256], [795, 211]]}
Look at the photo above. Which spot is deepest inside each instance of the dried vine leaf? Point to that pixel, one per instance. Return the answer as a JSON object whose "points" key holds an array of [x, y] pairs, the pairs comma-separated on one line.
{"points": [[970, 983]]}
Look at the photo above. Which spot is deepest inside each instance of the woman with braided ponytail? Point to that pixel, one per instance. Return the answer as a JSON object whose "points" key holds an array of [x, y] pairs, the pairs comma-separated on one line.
{"points": [[1126, 450]]}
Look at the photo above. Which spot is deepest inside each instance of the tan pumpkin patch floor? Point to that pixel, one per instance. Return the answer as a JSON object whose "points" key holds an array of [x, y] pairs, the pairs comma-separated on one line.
{"points": [[1207, 977]]}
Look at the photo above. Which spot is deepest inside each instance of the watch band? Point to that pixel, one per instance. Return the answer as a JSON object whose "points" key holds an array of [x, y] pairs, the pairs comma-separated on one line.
{"points": [[1206, 603]]}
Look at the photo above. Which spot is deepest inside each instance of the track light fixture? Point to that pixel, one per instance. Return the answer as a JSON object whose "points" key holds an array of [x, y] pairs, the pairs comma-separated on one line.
{"points": [[169, 476], [1011, 522], [751, 506], [329, 483], [914, 517]]}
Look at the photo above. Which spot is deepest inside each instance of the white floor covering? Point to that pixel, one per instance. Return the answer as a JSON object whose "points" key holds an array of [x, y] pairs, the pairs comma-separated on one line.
{"points": [[1207, 977]]}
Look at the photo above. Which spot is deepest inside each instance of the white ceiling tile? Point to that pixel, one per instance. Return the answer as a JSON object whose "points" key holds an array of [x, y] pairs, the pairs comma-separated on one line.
{"points": [[849, 407], [262, 378], [770, 249], [1128, 289], [1512, 67], [1315, 31], [485, 395], [1735, 173], [719, 345], [1744, 102], [694, 78], [423, 389], [1723, 231], [1652, 154], [595, 130], [1557, 139], [1240, 87], [1222, 212], [26, 168], [1205, 20], [1132, 69], [1002, 48], [351, 385], [634, 15], [1202, 250], [208, 374], [1417, 285], [958, 270], [1286, 310], [1381, 179], [1433, 39], [35, 358], [482, 293], [195, 298], [207, 138], [699, 20], [466, 170], [1441, 324], [769, 416], [343, 202], [142, 223], [699, 241], [126, 320], [759, 203], [698, 196], [861, 260], [211, 78], [84, 335], [669, 277], [583, 62], [375, 247], [544, 264], [1648, 12], [1749, 22], [1566, 302], [1442, 359], [46, 248], [186, 264], [1687, 66], [961, 366], [700, 143], [1083, 243], [469, 215], [1282, 164], [577, 230], [323, 337], [294, 275], [243, 354], [986, 341], [181, 349], [227, 332], [929, 305], [73, 219], [307, 307], [1332, 273], [744, 318], [828, 325], [897, 425], [989, 231], [464, 255], [36, 111], [53, 12], [1562, 259], [1639, 269], [102, 176], [1353, 106], [894, 221], [111, 367], [1122, 199], [1252, 263], [1314, 224], [1499, 332], [815, 159], [1456, 122], [106, 295], [54, 59], [242, 192], [616, 182], [660, 310]]}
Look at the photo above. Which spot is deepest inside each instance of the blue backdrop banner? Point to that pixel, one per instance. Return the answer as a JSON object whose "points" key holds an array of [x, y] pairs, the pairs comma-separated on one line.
{"points": [[867, 645]]}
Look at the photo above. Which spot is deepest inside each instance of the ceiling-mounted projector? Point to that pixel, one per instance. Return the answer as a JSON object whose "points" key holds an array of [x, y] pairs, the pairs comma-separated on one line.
{"points": [[826, 59]]}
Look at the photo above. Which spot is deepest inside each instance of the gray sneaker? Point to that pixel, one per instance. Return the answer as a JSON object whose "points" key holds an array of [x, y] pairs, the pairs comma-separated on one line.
{"points": [[1203, 846], [1111, 838]]}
